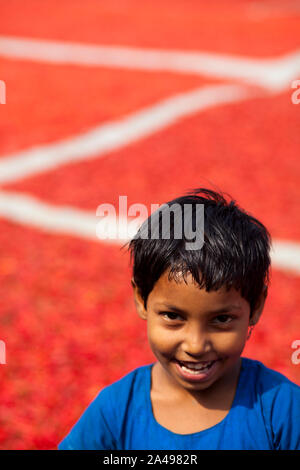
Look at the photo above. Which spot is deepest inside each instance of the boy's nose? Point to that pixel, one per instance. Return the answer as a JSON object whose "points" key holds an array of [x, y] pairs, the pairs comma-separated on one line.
{"points": [[196, 343]]}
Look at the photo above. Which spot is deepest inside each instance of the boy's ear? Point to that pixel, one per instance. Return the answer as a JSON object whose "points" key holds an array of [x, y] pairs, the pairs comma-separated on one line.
{"points": [[260, 306], [139, 303]]}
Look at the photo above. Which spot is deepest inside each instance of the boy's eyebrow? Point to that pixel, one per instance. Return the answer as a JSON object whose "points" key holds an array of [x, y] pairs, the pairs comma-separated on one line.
{"points": [[220, 310]]}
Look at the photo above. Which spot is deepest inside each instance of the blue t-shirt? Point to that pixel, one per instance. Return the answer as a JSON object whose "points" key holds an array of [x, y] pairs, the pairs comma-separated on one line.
{"points": [[265, 415]]}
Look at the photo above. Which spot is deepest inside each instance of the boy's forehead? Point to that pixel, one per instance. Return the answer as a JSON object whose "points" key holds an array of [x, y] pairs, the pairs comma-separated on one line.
{"points": [[181, 294]]}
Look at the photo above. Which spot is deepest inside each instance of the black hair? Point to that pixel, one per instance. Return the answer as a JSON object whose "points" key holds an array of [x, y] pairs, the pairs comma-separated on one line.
{"points": [[235, 252]]}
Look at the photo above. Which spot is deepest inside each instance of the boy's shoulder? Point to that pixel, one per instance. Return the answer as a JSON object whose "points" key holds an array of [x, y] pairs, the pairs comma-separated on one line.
{"points": [[101, 425], [276, 393], [265, 377], [123, 389], [270, 394], [138, 372]]}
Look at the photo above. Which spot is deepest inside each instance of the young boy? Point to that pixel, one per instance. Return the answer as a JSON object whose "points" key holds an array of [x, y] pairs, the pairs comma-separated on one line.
{"points": [[200, 306]]}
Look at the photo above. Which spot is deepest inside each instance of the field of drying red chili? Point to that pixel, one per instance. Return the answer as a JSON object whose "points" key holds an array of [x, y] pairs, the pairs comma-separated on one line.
{"points": [[67, 315]]}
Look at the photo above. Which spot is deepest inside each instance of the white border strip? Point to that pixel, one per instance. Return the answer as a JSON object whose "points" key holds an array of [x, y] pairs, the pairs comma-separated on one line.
{"points": [[273, 74], [115, 135], [29, 211]]}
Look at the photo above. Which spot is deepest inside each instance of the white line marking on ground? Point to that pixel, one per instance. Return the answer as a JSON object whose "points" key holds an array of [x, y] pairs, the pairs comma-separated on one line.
{"points": [[32, 212], [115, 135], [28, 210], [257, 10], [286, 255], [273, 74]]}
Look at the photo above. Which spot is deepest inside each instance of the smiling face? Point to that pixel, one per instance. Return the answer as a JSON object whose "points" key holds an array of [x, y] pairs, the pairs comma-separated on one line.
{"points": [[196, 336]]}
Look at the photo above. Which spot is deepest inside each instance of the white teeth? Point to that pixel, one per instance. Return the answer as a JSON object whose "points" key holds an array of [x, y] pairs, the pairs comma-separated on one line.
{"points": [[195, 371], [197, 368]]}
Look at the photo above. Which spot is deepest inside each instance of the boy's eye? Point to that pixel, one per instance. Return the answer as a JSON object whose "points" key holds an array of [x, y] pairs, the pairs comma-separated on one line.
{"points": [[223, 319], [219, 320], [170, 315]]}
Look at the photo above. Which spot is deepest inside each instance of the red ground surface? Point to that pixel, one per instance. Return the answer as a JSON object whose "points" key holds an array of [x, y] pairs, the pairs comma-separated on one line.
{"points": [[62, 298], [227, 26]]}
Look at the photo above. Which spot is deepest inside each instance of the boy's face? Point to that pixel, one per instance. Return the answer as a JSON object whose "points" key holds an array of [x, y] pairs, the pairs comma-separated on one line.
{"points": [[204, 330]]}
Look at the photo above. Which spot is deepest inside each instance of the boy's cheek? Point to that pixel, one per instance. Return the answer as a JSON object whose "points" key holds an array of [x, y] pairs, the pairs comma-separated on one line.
{"points": [[232, 345], [161, 342], [232, 340]]}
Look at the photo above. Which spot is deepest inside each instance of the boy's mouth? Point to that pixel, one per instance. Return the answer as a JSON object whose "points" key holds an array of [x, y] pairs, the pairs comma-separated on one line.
{"points": [[196, 368]]}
